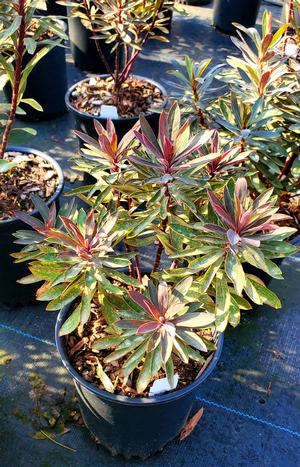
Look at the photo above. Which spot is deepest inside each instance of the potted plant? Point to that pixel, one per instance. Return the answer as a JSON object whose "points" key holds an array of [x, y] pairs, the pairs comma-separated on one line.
{"points": [[89, 54], [119, 95], [227, 12], [44, 34], [23, 170], [139, 341], [262, 112]]}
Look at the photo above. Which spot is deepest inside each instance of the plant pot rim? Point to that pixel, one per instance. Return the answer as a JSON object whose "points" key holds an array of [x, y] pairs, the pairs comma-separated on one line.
{"points": [[56, 167], [98, 117], [139, 401]]}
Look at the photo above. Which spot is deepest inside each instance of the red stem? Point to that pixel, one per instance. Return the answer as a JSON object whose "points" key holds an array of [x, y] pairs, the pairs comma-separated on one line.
{"points": [[129, 64], [98, 47], [17, 77], [138, 268], [160, 247], [287, 166]]}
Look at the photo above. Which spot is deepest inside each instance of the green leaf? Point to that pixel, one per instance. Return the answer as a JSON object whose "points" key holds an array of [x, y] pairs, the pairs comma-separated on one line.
{"points": [[145, 374], [266, 296], [222, 304], [191, 338], [108, 286], [71, 323], [127, 346], [133, 361], [104, 378], [69, 294], [33, 103], [6, 165], [234, 313], [169, 369], [124, 278], [144, 223], [109, 311], [107, 342], [209, 275], [48, 292], [8, 32], [235, 272], [206, 261]]}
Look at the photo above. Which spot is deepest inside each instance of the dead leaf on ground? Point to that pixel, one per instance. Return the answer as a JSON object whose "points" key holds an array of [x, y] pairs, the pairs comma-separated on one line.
{"points": [[191, 424], [277, 354], [5, 358]]}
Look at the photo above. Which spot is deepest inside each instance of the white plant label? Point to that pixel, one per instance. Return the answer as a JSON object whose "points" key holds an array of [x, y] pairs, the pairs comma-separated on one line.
{"points": [[109, 111], [162, 385]]}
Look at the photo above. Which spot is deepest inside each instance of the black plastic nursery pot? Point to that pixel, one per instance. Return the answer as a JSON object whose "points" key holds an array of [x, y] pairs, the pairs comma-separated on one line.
{"points": [[84, 50], [47, 84], [85, 122], [132, 427], [194, 2], [227, 12], [12, 293], [53, 9]]}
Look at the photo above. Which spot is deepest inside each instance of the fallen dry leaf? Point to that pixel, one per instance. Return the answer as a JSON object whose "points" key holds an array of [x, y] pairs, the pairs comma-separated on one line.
{"points": [[191, 424]]}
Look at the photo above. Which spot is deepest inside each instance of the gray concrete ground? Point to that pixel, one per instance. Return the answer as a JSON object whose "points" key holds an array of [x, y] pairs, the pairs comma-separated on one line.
{"points": [[251, 401]]}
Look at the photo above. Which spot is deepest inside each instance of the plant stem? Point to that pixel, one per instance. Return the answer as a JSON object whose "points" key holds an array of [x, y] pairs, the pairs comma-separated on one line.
{"points": [[129, 63], [56, 442], [97, 43], [21, 11], [138, 267], [287, 166], [160, 247]]}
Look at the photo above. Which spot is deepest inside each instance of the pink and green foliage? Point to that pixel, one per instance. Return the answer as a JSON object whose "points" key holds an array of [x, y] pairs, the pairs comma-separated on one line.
{"points": [[243, 231], [166, 167], [226, 161], [259, 73], [168, 323], [164, 192], [105, 153]]}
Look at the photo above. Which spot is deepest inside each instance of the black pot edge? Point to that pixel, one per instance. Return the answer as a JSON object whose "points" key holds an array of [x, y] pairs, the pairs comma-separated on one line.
{"points": [[95, 117], [123, 399], [56, 167]]}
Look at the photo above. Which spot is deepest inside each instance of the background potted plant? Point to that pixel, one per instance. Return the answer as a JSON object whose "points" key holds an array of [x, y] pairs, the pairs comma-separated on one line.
{"points": [[120, 332], [89, 54], [47, 82], [23, 170], [263, 111], [227, 12], [119, 95]]}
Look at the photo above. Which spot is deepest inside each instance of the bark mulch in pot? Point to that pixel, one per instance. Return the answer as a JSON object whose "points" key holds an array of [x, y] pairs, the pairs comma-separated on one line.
{"points": [[31, 175], [84, 360], [137, 96], [290, 205]]}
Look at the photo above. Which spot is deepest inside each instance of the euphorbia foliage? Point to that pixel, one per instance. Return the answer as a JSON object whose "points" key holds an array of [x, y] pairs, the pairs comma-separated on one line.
{"points": [[167, 324], [16, 40], [174, 192]]}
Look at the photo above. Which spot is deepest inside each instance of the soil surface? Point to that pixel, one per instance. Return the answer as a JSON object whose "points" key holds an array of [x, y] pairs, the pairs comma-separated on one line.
{"points": [[34, 25], [32, 174], [137, 96], [290, 205], [85, 360]]}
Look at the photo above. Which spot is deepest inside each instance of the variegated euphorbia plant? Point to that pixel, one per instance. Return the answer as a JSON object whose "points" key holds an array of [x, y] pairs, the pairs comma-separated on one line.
{"points": [[166, 194]]}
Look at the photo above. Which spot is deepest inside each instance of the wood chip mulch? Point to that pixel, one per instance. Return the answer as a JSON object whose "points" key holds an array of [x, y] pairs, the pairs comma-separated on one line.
{"points": [[290, 205], [32, 174], [85, 360], [137, 96]]}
